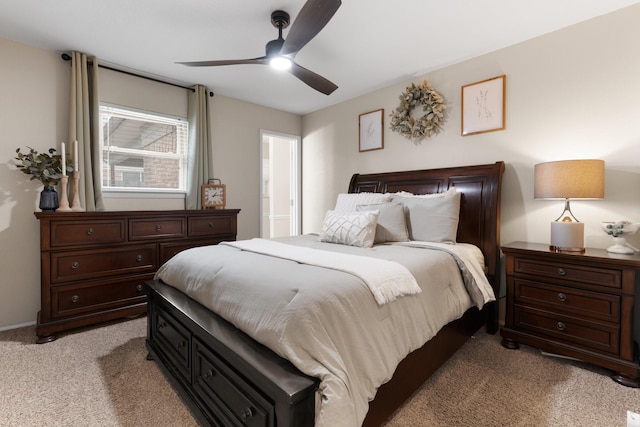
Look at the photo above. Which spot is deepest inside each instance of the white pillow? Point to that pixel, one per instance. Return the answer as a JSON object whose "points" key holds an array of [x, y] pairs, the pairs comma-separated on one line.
{"points": [[450, 192], [432, 219], [392, 224], [350, 228], [347, 202]]}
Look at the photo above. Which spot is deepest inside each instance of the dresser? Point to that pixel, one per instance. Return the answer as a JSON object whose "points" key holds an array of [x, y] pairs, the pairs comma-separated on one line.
{"points": [[579, 305], [94, 264]]}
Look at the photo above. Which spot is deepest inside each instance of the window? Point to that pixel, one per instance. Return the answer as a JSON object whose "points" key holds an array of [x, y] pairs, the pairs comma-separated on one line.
{"points": [[142, 151]]}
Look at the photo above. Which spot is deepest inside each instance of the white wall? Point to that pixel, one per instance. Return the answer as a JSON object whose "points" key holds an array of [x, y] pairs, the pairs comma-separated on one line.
{"points": [[574, 93]]}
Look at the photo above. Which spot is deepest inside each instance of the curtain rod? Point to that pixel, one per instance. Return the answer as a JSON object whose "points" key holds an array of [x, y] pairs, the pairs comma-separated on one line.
{"points": [[67, 57]]}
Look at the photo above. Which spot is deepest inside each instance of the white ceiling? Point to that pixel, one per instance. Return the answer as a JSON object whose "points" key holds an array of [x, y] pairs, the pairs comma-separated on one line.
{"points": [[369, 44]]}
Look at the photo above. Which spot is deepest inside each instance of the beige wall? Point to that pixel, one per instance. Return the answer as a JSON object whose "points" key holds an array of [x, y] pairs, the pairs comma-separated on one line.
{"points": [[34, 84], [574, 93], [570, 94]]}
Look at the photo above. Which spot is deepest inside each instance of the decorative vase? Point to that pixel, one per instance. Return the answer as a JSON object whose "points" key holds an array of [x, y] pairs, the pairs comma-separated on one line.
{"points": [[48, 199]]}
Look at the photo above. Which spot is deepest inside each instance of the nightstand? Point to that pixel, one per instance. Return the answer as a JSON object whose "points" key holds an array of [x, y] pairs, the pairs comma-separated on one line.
{"points": [[579, 305]]}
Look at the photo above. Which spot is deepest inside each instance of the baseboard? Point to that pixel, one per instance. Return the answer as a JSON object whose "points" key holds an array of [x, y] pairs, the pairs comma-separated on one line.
{"points": [[20, 325]]}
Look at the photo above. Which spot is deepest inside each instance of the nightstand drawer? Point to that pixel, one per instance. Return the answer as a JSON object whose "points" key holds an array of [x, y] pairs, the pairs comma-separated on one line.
{"points": [[211, 226], [566, 300], [576, 273], [95, 232], [154, 229], [593, 335], [96, 264]]}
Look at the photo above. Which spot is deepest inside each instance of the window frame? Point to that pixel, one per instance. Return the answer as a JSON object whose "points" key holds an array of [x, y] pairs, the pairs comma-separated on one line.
{"points": [[143, 192]]}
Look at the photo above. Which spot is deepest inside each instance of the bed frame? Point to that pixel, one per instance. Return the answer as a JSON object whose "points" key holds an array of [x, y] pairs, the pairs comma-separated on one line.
{"points": [[227, 379]]}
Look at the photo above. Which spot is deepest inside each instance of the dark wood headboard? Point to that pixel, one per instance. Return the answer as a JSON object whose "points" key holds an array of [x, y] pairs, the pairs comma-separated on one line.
{"points": [[479, 207]]}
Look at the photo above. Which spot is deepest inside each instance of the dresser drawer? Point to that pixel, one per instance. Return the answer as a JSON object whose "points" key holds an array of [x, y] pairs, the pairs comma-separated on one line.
{"points": [[611, 278], [154, 229], [211, 226], [100, 263], [74, 300], [94, 232], [168, 250], [566, 300], [603, 337], [233, 401], [174, 340]]}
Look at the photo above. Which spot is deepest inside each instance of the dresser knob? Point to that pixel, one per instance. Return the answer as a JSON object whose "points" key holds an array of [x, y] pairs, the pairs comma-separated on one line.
{"points": [[75, 298], [139, 288], [139, 258], [211, 225], [162, 324], [181, 344], [562, 297], [246, 414], [90, 231], [75, 264], [560, 326], [210, 373], [158, 227], [562, 271]]}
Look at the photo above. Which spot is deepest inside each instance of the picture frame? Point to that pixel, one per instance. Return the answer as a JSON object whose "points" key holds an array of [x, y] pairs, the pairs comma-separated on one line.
{"points": [[483, 106], [214, 196], [370, 132]]}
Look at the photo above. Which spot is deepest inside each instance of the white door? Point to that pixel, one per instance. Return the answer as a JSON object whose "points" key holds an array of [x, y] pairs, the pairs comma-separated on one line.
{"points": [[280, 184]]}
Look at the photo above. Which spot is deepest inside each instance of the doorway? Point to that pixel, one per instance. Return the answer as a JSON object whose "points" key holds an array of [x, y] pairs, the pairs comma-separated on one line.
{"points": [[280, 185]]}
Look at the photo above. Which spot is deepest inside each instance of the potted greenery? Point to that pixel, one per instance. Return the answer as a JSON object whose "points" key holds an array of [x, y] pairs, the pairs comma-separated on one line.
{"points": [[47, 168]]}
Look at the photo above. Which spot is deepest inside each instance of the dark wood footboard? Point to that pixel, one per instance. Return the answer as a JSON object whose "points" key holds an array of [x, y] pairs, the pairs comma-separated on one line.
{"points": [[222, 375]]}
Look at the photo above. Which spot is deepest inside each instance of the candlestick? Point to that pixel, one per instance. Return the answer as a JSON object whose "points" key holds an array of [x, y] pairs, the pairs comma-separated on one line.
{"points": [[75, 205], [75, 156], [64, 161], [63, 205]]}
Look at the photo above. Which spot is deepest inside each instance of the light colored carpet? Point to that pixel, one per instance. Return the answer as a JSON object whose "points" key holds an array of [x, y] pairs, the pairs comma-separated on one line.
{"points": [[100, 377]]}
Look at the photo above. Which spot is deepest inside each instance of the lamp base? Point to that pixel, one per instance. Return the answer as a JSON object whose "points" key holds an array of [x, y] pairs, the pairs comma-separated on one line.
{"points": [[567, 236]]}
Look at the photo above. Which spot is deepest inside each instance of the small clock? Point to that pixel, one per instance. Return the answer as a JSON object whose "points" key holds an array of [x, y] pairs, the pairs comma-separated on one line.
{"points": [[214, 196]]}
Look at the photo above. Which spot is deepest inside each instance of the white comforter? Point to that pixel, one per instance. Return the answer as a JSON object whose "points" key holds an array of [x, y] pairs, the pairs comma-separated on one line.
{"points": [[326, 321]]}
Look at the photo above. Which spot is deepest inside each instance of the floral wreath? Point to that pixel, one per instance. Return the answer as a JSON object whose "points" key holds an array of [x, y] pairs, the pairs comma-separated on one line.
{"points": [[432, 105]]}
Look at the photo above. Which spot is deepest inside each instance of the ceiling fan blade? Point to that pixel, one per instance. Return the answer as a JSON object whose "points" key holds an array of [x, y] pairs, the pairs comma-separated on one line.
{"points": [[260, 60], [312, 79], [313, 16]]}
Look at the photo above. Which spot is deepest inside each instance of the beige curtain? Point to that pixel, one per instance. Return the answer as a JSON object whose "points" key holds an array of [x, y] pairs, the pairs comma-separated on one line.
{"points": [[84, 127], [199, 159]]}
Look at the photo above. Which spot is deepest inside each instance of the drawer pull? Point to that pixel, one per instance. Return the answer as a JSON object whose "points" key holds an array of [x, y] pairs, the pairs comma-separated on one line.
{"points": [[75, 264], [139, 258], [181, 344], [211, 225], [139, 288], [162, 324], [75, 299], [90, 231], [210, 373], [158, 227], [560, 326], [562, 271], [246, 414], [562, 297]]}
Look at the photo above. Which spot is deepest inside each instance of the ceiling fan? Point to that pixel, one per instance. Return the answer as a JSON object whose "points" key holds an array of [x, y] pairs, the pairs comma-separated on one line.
{"points": [[313, 16]]}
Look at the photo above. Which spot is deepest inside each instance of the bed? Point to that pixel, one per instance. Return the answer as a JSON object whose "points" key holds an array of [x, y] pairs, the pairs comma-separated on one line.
{"points": [[228, 377]]}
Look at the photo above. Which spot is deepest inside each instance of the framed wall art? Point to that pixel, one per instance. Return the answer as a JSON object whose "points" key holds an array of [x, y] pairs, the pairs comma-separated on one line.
{"points": [[483, 106], [370, 127]]}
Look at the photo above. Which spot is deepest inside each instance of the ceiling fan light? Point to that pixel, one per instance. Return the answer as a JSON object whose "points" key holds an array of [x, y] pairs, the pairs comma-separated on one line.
{"points": [[280, 63]]}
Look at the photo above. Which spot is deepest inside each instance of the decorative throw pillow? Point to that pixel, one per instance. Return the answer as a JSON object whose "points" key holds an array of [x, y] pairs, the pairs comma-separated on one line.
{"points": [[432, 219], [350, 228], [392, 224], [347, 202]]}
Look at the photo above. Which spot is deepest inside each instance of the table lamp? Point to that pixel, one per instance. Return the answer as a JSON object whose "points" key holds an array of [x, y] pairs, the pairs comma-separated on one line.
{"points": [[568, 179]]}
